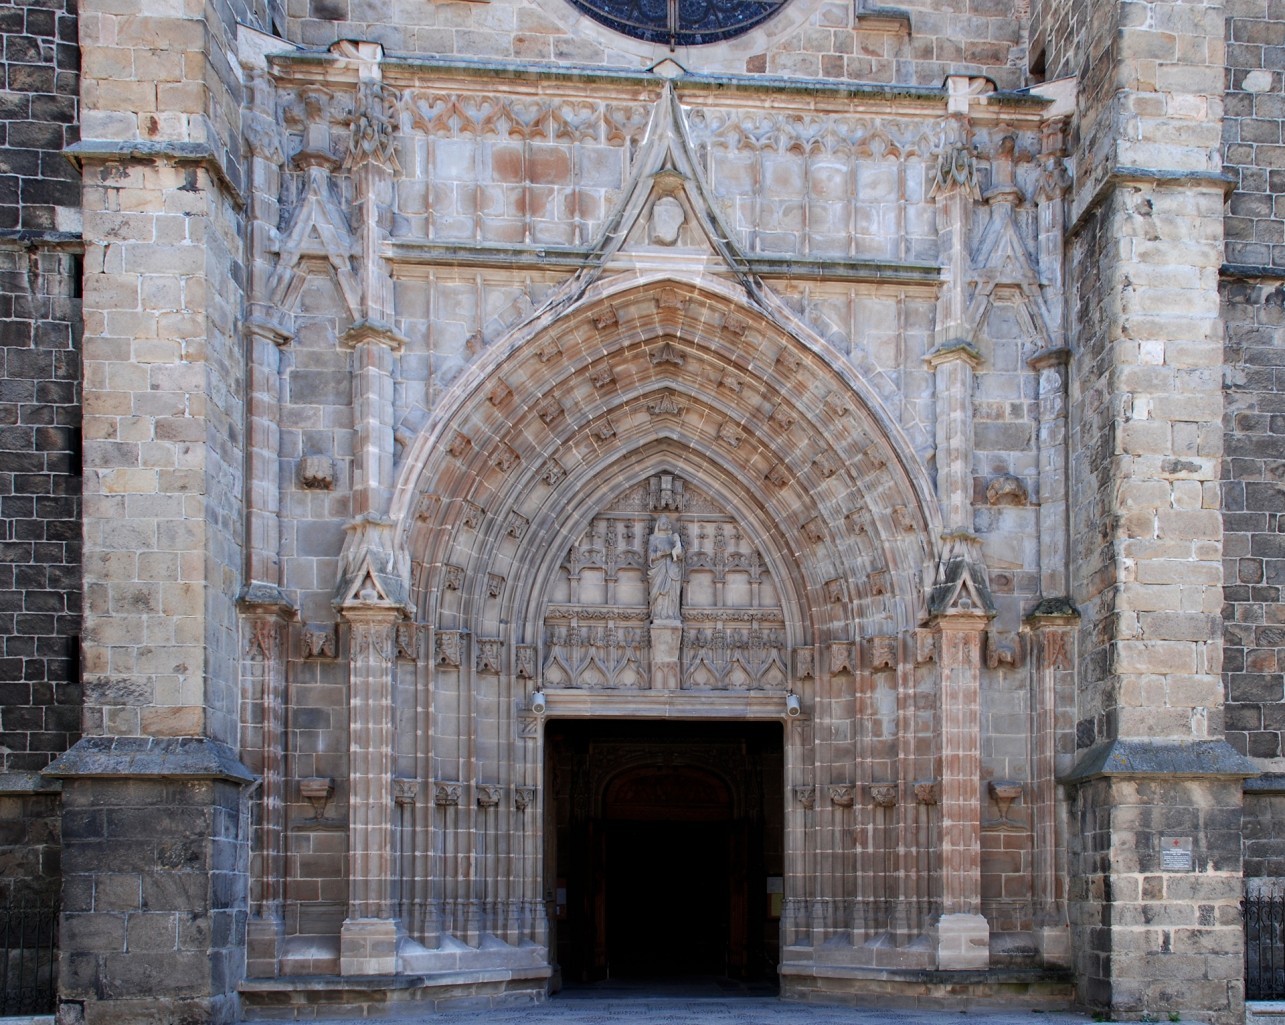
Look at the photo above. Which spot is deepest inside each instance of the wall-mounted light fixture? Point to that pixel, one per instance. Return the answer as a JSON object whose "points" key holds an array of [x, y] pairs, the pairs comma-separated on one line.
{"points": [[792, 706], [537, 702]]}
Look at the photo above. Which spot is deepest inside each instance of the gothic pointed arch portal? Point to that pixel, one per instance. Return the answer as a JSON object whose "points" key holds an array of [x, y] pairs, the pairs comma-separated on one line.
{"points": [[667, 434]]}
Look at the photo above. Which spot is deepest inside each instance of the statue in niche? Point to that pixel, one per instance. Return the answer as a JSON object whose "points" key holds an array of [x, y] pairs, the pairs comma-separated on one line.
{"points": [[665, 572]]}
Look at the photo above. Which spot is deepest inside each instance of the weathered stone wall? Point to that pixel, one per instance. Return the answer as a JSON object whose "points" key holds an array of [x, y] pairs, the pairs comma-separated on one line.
{"points": [[812, 39], [39, 188]]}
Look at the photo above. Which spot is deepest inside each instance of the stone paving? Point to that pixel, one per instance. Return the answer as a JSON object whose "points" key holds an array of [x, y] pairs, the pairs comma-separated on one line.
{"points": [[697, 1007]]}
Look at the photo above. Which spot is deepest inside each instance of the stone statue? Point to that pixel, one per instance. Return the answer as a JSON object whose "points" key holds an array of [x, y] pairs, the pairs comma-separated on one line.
{"points": [[665, 571]]}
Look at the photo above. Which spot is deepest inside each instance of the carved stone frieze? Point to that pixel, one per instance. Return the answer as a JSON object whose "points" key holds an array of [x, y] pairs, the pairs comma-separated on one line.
{"points": [[488, 654], [499, 393], [552, 473], [448, 648], [472, 515], [407, 641], [883, 652], [504, 458], [460, 445], [665, 353], [805, 663]]}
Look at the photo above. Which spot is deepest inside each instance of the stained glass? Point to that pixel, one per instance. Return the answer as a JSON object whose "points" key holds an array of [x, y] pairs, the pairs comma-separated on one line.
{"points": [[680, 22]]}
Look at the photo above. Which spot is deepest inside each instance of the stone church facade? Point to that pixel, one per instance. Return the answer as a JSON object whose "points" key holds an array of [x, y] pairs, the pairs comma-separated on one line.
{"points": [[506, 493]]}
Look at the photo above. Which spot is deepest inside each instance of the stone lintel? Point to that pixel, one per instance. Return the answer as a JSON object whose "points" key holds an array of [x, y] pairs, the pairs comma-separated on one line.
{"points": [[1183, 759], [882, 19], [150, 757]]}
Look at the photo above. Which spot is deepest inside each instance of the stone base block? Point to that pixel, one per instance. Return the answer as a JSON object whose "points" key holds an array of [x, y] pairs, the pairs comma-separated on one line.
{"points": [[1054, 944], [263, 942], [963, 943], [368, 946]]}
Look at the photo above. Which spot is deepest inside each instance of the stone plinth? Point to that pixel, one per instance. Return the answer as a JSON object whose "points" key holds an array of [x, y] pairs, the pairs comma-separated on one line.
{"points": [[963, 942], [666, 645]]}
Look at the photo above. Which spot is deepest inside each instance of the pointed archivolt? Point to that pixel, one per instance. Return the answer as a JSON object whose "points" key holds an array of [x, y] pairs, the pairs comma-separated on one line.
{"points": [[603, 371]]}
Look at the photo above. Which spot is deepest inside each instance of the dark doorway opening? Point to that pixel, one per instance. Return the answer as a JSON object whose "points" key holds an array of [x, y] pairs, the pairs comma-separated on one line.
{"points": [[665, 849]]}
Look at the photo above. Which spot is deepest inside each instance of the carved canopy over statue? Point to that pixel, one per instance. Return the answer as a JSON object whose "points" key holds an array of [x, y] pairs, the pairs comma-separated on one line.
{"points": [[665, 572]]}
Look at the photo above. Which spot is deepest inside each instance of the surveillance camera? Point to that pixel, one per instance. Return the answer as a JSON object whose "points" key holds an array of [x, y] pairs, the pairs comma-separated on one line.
{"points": [[792, 707], [537, 702]]}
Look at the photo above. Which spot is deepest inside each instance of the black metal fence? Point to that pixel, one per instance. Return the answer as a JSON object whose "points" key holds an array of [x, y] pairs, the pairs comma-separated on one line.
{"points": [[28, 957]]}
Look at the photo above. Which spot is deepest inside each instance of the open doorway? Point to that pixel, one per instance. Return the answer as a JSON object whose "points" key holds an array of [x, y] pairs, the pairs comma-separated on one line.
{"points": [[665, 850]]}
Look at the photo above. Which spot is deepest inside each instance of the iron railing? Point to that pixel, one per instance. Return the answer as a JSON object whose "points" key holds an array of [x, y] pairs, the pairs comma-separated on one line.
{"points": [[28, 957]]}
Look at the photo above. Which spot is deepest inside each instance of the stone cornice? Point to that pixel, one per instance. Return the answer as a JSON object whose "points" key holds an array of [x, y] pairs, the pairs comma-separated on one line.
{"points": [[1123, 176], [102, 151], [1171, 759], [150, 757]]}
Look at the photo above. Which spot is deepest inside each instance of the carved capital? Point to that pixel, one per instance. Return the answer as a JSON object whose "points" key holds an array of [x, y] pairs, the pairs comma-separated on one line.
{"points": [[806, 795], [884, 795], [447, 794], [842, 796]]}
